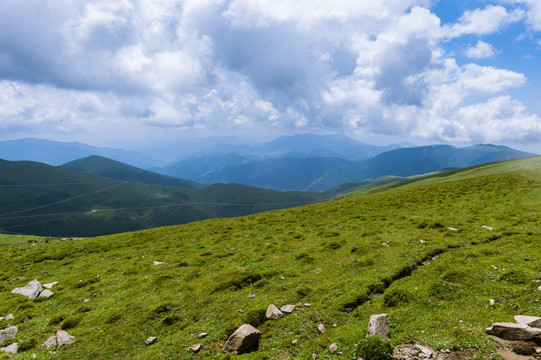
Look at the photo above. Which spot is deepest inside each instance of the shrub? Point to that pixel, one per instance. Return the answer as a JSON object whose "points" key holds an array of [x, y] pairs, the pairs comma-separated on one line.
{"points": [[373, 348]]}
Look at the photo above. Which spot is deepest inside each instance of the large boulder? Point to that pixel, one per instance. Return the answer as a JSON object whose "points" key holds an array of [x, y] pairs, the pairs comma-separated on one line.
{"points": [[32, 289], [379, 326], [243, 340], [528, 320], [273, 312], [8, 333], [512, 331]]}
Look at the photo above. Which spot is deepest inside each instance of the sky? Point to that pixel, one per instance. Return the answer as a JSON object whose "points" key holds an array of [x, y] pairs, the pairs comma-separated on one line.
{"points": [[130, 72]]}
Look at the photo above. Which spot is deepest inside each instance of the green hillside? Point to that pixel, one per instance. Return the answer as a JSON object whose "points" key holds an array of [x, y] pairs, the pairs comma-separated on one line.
{"points": [[108, 168], [423, 254], [44, 200]]}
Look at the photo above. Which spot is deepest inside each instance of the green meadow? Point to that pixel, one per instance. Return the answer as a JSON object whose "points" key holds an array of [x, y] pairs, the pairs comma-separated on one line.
{"points": [[431, 253]]}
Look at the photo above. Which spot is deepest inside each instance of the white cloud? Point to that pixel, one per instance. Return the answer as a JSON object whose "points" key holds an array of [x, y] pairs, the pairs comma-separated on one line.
{"points": [[481, 50], [533, 12], [484, 21]]}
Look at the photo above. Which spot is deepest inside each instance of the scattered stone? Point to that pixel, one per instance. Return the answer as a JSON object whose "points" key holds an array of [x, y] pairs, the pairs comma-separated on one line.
{"points": [[51, 342], [494, 267], [512, 331], [63, 338], [86, 300], [486, 227], [283, 278], [50, 285], [202, 335], [31, 290], [8, 334], [379, 326], [251, 296], [314, 356], [287, 308], [413, 352], [240, 310], [8, 317], [284, 287], [528, 320], [295, 342], [307, 305], [452, 228], [12, 349], [195, 348], [492, 301], [422, 241], [333, 348], [46, 293], [321, 328], [539, 288], [158, 262], [273, 312], [34, 356], [150, 340], [245, 339]]}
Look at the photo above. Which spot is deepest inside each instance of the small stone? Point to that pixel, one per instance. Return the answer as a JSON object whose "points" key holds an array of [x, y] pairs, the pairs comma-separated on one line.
{"points": [[492, 301], [240, 310], [202, 335], [51, 342], [379, 326], [295, 342], [422, 241], [307, 305], [12, 349], [86, 300], [273, 312], [46, 293], [333, 348], [158, 262], [486, 227], [321, 328], [283, 278], [9, 317], [242, 340], [50, 285], [539, 288], [63, 338], [314, 356], [195, 348], [251, 296], [151, 340], [34, 356], [284, 287], [452, 228], [494, 267], [287, 308]]}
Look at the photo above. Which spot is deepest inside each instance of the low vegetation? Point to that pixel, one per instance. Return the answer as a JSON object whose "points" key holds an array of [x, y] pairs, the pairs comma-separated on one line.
{"points": [[430, 254]]}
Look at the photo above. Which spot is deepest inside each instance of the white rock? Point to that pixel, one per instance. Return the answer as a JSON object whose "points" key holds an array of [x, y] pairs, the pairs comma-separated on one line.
{"points": [[9, 317], [321, 328], [158, 262], [242, 340], [528, 320], [195, 348], [333, 348], [491, 301], [202, 335], [273, 312], [8, 333], [46, 293], [379, 326], [151, 340], [452, 228], [307, 305], [51, 342], [287, 308], [486, 227], [31, 290], [12, 349], [422, 241], [63, 338], [50, 285]]}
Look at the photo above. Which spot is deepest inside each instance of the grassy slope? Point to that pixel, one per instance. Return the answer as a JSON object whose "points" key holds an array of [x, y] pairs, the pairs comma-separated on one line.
{"points": [[340, 256]]}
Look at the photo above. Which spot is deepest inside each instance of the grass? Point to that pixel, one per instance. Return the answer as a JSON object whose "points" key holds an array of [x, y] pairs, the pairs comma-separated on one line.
{"points": [[386, 252]]}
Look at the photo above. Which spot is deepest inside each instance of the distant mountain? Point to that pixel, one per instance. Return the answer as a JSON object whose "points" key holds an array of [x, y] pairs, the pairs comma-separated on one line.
{"points": [[322, 173], [40, 199], [108, 168], [56, 153]]}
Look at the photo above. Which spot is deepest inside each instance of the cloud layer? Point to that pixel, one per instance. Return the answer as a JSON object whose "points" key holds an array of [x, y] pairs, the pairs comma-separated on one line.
{"points": [[360, 67]]}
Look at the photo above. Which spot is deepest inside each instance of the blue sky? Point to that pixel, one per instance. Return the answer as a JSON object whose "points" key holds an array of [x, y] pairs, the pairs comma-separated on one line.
{"points": [[133, 72]]}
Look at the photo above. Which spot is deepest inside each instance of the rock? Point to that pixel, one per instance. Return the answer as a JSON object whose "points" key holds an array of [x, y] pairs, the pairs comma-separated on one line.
{"points": [[295, 342], [202, 335], [273, 312], [46, 293], [32, 289], [9, 317], [422, 241], [50, 285], [251, 296], [452, 229], [321, 328], [86, 300], [491, 301], [63, 338], [314, 356], [413, 352], [287, 308], [12, 349], [333, 348], [379, 326], [539, 288], [150, 340], [195, 348], [51, 342], [243, 340], [523, 348], [8, 334], [486, 227], [528, 320], [512, 331], [307, 305], [158, 262]]}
